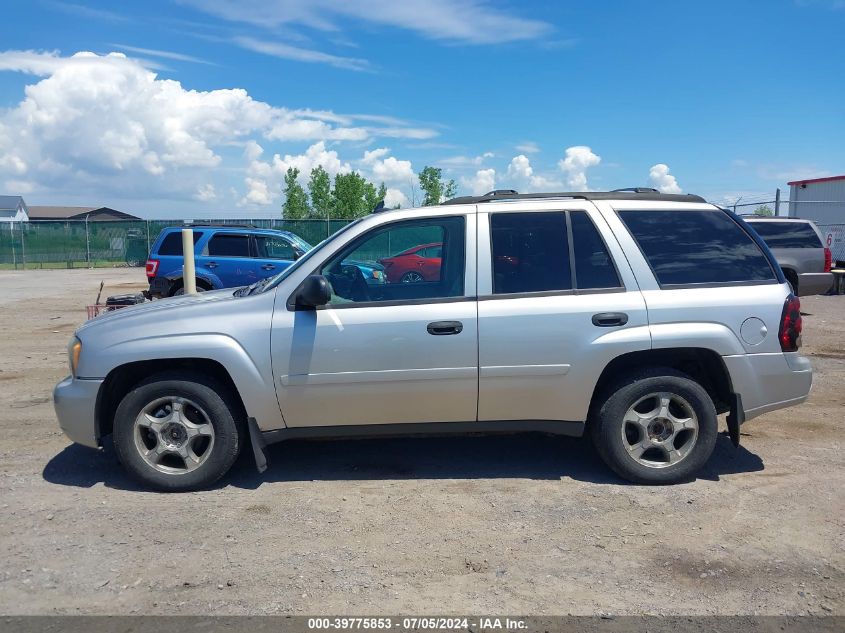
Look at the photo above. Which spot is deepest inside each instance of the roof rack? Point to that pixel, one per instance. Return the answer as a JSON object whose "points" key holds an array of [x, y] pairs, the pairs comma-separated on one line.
{"points": [[633, 193], [208, 225]]}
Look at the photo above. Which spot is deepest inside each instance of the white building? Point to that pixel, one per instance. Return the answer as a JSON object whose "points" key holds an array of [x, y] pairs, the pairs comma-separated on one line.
{"points": [[818, 199], [13, 209]]}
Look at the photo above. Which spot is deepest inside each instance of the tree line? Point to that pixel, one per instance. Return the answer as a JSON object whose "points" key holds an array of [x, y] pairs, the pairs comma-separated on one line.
{"points": [[351, 195]]}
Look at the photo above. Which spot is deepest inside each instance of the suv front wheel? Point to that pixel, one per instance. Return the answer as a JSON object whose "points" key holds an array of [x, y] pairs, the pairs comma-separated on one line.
{"points": [[657, 426], [177, 432]]}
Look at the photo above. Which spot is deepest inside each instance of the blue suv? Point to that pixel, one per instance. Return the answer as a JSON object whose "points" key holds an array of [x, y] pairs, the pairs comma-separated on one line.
{"points": [[231, 256]]}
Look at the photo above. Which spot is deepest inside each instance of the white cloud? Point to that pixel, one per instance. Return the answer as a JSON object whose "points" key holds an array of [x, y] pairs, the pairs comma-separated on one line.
{"points": [[264, 178], [662, 180], [521, 176], [577, 161], [286, 51], [153, 52], [107, 125], [467, 21], [528, 147], [205, 193], [465, 161], [394, 197], [257, 192], [483, 181]]}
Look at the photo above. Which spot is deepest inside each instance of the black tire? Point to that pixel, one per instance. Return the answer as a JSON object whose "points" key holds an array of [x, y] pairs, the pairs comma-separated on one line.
{"points": [[180, 290], [223, 413], [607, 427]]}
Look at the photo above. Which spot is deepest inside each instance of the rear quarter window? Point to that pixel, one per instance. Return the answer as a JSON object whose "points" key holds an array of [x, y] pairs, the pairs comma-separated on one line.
{"points": [[697, 247], [172, 243], [787, 234]]}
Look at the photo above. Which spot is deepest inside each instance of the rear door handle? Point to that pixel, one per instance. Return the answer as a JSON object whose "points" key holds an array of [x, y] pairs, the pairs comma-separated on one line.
{"points": [[211, 265], [443, 328], [610, 319], [268, 267]]}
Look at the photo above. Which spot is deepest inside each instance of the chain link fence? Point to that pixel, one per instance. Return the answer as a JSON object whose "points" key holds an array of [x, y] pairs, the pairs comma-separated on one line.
{"points": [[81, 244]]}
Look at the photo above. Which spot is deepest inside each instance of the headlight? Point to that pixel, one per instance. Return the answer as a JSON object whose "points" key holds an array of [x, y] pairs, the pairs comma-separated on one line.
{"points": [[73, 350]]}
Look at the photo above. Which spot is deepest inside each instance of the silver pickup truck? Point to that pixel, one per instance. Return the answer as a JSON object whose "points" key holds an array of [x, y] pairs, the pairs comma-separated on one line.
{"points": [[632, 315], [799, 249]]}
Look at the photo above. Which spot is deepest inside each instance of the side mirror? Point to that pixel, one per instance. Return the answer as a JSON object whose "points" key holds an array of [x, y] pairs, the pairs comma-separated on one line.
{"points": [[297, 253], [314, 291]]}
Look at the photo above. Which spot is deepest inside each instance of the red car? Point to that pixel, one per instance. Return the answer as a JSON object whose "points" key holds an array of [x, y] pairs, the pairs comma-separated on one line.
{"points": [[416, 264]]}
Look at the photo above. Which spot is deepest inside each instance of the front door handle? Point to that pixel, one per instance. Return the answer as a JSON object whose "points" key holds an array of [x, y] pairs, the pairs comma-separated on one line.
{"points": [[444, 328], [268, 267], [211, 265], [610, 319]]}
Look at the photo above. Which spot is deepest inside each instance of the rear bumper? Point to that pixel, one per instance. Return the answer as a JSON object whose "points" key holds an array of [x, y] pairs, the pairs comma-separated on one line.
{"points": [[160, 286], [75, 402], [769, 381], [814, 283]]}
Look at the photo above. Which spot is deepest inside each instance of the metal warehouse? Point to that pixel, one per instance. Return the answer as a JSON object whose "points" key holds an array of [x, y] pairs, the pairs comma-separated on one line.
{"points": [[819, 199]]}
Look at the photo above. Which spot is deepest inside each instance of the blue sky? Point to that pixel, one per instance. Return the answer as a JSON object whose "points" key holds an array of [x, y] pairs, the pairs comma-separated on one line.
{"points": [[214, 99]]}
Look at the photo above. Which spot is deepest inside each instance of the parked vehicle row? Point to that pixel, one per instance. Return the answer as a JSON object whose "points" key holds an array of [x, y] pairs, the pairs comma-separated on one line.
{"points": [[633, 316]]}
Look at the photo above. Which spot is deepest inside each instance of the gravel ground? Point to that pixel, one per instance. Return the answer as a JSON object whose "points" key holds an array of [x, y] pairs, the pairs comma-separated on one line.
{"points": [[531, 525]]}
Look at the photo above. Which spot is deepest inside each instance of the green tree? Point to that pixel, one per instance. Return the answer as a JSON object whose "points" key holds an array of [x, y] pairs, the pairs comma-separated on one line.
{"points": [[350, 196], [434, 189], [373, 196], [320, 190], [764, 210], [296, 202]]}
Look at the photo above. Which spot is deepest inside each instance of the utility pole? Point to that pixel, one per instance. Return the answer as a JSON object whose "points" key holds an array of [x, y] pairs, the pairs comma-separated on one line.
{"points": [[777, 202]]}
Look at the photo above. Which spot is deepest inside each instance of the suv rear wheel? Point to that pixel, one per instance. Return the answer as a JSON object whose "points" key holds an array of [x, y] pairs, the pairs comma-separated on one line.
{"points": [[177, 432], [655, 427]]}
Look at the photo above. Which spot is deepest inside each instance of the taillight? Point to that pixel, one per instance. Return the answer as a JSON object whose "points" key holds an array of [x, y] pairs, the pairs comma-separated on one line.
{"points": [[790, 325], [828, 259], [152, 267]]}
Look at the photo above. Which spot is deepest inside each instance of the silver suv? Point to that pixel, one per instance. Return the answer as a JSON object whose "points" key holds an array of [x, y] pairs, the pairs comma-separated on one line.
{"points": [[634, 316], [798, 247]]}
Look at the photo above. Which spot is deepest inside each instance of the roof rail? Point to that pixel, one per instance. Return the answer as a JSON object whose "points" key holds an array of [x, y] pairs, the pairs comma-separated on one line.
{"points": [[210, 225], [636, 190], [637, 193]]}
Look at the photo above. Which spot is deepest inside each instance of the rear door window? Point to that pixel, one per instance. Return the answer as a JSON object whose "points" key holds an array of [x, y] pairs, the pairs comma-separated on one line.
{"points": [[172, 243], [787, 234], [530, 252], [228, 245], [697, 247], [593, 266]]}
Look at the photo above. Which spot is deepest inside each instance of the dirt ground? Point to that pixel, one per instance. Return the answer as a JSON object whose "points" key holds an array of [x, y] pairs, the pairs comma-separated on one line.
{"points": [[528, 525]]}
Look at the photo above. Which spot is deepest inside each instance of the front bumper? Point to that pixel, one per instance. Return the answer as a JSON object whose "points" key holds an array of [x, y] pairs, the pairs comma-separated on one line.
{"points": [[769, 381], [75, 402], [814, 283]]}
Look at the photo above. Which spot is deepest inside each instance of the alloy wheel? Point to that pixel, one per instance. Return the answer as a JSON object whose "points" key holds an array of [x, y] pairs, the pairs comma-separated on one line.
{"points": [[659, 430], [174, 435]]}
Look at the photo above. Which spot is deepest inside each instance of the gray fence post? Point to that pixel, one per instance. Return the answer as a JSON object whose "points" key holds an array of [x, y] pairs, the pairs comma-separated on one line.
{"points": [[87, 244], [14, 251], [23, 246], [148, 237]]}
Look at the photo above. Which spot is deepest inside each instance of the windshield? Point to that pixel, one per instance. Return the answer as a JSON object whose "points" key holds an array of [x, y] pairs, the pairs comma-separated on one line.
{"points": [[271, 282], [299, 242]]}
